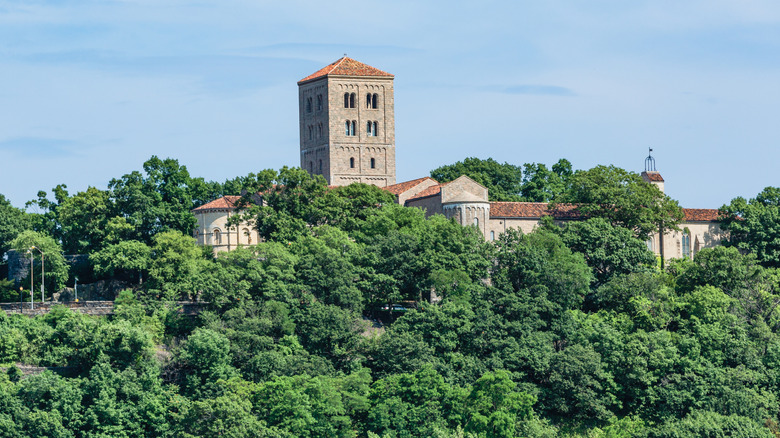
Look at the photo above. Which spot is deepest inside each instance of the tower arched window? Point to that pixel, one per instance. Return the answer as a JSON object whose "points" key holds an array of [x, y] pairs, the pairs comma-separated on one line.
{"points": [[308, 104], [492, 235], [320, 166], [248, 235], [319, 130], [368, 100], [352, 99], [217, 237], [310, 130], [375, 128], [374, 101], [369, 130], [319, 102], [373, 163], [476, 221], [349, 127], [352, 162], [346, 100]]}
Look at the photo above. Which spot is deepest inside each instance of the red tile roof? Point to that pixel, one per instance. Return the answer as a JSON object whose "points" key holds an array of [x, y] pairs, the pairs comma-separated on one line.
{"points": [[653, 176], [700, 214], [223, 203], [532, 210], [430, 191], [569, 211], [346, 67], [399, 188]]}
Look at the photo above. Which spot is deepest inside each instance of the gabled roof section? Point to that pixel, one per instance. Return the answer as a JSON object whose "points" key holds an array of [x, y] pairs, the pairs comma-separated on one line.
{"points": [[224, 203], [430, 191], [532, 210], [700, 214], [399, 188], [346, 66]]}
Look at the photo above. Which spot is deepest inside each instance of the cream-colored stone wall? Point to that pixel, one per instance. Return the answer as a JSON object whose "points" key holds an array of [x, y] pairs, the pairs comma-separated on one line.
{"points": [[701, 235], [431, 204], [212, 230], [475, 214], [328, 149]]}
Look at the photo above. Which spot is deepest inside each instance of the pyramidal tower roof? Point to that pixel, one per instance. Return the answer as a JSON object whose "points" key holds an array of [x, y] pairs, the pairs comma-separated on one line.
{"points": [[346, 66]]}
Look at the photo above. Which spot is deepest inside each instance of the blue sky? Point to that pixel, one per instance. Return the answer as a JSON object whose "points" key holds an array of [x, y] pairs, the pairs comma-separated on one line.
{"points": [[91, 89]]}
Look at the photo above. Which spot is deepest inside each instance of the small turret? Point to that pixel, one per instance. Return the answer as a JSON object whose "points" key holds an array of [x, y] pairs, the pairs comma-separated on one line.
{"points": [[650, 173]]}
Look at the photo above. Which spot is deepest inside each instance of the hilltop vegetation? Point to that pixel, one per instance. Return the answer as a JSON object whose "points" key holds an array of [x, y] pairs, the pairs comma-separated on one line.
{"points": [[566, 331]]}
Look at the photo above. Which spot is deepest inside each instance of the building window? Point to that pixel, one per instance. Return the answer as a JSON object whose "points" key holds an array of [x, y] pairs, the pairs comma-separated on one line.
{"points": [[311, 166], [373, 163], [492, 235], [371, 100], [649, 244], [349, 100], [349, 127], [686, 245], [375, 130], [310, 130], [319, 130], [320, 167], [308, 104], [217, 237], [319, 102], [476, 221], [371, 129], [248, 236], [352, 163]]}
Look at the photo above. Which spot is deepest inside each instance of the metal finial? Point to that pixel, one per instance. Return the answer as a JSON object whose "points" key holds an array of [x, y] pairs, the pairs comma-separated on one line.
{"points": [[650, 161]]}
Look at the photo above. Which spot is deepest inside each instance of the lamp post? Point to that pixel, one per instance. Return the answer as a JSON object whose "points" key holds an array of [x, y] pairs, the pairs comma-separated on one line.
{"points": [[43, 277], [29, 251]]}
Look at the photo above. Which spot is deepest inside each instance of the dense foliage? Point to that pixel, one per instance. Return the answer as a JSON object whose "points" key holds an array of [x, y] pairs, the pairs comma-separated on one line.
{"points": [[566, 331]]}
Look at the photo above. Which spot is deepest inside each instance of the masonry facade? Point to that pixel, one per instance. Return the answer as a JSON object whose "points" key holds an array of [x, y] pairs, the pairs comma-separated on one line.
{"points": [[466, 201], [347, 124], [347, 135]]}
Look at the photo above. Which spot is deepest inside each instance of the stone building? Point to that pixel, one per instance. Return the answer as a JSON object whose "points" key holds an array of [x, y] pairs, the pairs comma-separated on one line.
{"points": [[347, 134], [212, 228], [467, 202], [347, 124]]}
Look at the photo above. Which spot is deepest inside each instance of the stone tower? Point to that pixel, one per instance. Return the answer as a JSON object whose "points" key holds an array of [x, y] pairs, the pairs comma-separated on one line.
{"points": [[347, 124]]}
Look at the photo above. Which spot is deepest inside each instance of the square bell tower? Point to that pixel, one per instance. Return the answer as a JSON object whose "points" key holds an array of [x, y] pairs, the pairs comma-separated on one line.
{"points": [[347, 124]]}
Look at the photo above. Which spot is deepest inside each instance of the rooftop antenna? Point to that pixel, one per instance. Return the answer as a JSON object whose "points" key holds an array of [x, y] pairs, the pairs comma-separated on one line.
{"points": [[650, 161]]}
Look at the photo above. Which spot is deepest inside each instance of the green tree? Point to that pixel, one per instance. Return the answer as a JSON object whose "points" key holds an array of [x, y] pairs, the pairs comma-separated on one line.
{"points": [[541, 184], [495, 407], [158, 201], [608, 250], [414, 404], [84, 219], [129, 258], [754, 225], [540, 262], [206, 359], [12, 222], [624, 199], [55, 268], [176, 265], [503, 181]]}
